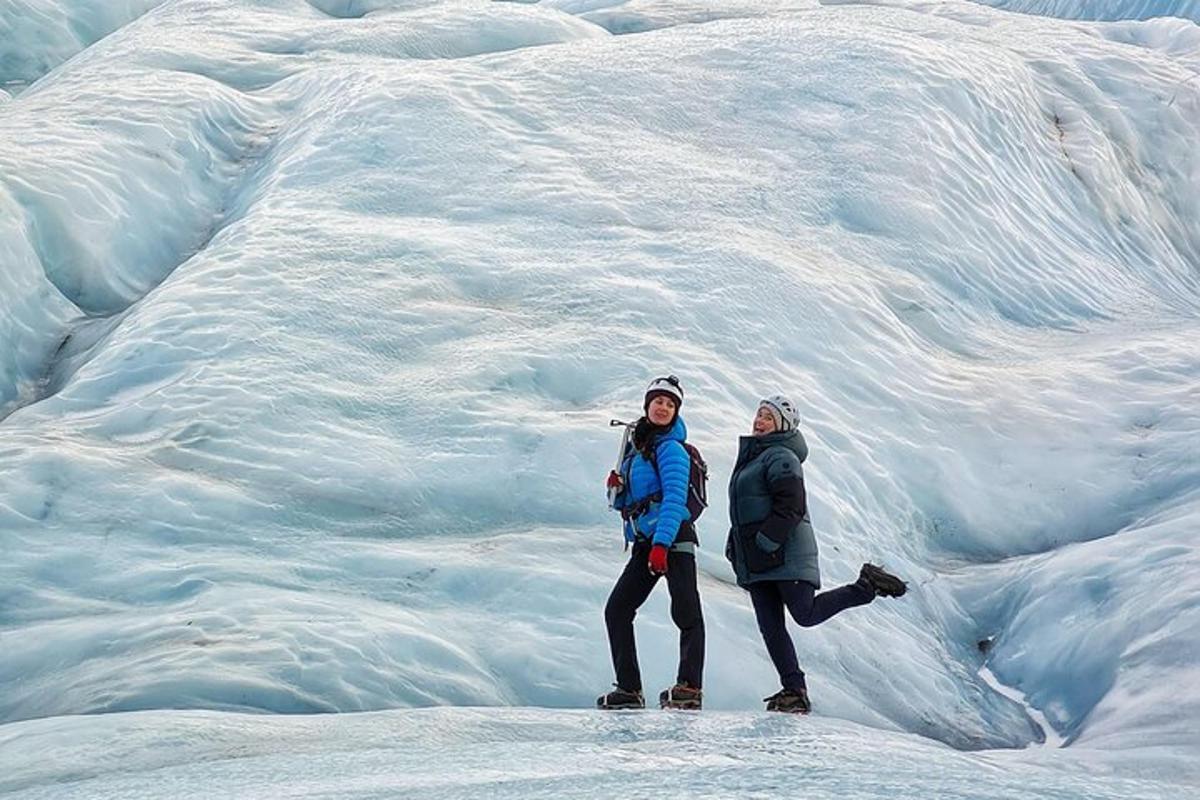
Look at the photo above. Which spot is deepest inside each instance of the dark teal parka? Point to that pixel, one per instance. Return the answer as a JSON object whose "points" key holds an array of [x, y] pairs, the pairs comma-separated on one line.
{"points": [[771, 537]]}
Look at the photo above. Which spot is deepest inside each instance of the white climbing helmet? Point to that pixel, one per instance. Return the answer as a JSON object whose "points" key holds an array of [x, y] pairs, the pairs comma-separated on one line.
{"points": [[785, 414], [668, 385]]}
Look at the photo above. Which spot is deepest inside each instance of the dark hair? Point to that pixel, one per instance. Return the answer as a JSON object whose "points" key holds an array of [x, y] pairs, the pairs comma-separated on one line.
{"points": [[645, 436]]}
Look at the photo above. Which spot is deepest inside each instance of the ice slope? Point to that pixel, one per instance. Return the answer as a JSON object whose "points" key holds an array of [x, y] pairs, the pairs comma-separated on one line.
{"points": [[1108, 9], [314, 319], [38, 35]]}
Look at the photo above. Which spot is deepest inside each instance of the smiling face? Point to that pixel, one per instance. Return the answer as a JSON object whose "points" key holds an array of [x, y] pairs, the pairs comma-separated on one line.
{"points": [[661, 410], [764, 422]]}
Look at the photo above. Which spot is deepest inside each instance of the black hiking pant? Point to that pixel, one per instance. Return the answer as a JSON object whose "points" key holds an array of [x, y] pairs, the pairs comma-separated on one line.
{"points": [[806, 607], [632, 589]]}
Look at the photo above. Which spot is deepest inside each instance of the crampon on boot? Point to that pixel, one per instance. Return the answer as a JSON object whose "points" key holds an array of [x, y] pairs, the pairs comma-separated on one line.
{"points": [[884, 584], [618, 699], [681, 696], [789, 701]]}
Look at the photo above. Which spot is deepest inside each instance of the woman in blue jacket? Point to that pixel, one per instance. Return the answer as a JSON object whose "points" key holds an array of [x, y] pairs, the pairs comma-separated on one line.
{"points": [[773, 549], [653, 505]]}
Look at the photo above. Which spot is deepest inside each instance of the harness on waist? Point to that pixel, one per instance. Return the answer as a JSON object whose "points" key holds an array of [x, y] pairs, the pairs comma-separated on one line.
{"points": [[635, 510]]}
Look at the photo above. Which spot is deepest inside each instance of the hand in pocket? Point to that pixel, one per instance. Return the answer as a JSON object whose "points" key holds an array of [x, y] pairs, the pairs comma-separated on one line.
{"points": [[765, 547]]}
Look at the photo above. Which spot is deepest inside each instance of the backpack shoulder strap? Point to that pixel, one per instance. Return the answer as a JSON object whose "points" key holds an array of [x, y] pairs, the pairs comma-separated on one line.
{"points": [[663, 443]]}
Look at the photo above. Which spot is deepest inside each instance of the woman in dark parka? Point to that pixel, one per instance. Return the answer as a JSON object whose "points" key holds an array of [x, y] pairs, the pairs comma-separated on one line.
{"points": [[774, 551]]}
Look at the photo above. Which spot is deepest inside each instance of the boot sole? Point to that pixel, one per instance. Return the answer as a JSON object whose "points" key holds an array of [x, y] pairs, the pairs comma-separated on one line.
{"points": [[887, 585], [628, 705], [665, 701]]}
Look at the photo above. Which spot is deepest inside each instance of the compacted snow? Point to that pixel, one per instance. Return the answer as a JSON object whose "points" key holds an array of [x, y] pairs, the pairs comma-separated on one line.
{"points": [[314, 315], [527, 753]]}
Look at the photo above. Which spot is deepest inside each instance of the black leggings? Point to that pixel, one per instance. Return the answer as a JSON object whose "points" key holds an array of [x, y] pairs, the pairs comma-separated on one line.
{"points": [[806, 607], [631, 591]]}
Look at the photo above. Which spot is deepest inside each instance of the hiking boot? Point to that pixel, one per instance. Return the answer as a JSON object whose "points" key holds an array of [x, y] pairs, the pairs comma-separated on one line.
{"points": [[618, 699], [884, 584], [681, 696], [789, 701]]}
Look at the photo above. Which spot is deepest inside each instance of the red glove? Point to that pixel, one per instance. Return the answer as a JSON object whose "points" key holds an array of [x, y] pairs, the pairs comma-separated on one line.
{"points": [[658, 560], [614, 480]]}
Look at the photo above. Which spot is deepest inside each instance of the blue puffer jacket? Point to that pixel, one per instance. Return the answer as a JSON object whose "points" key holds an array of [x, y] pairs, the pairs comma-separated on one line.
{"points": [[661, 520]]}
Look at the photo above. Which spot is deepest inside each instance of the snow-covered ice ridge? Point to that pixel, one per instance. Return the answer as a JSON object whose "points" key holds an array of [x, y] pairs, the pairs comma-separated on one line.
{"points": [[314, 314]]}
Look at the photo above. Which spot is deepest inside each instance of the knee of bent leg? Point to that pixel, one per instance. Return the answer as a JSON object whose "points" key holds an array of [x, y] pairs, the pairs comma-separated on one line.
{"points": [[805, 621]]}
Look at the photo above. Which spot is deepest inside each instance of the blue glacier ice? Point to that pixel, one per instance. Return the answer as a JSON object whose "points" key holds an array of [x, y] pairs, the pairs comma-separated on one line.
{"points": [[314, 314]]}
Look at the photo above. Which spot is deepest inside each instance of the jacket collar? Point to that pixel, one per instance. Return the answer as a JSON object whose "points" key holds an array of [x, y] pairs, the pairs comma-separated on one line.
{"points": [[751, 446]]}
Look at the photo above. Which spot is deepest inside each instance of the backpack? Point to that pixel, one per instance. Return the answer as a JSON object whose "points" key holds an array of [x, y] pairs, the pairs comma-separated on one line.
{"points": [[697, 490]]}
